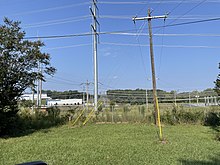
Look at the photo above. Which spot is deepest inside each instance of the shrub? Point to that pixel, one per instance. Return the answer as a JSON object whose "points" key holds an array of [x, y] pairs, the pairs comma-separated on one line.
{"points": [[26, 103], [25, 121], [212, 119], [168, 118], [53, 112]]}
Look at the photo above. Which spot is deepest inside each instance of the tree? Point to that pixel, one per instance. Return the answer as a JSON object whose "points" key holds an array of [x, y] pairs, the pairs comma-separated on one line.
{"points": [[217, 83], [19, 60]]}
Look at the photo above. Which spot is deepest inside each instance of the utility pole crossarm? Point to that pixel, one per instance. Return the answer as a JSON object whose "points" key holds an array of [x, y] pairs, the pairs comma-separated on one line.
{"points": [[147, 18]]}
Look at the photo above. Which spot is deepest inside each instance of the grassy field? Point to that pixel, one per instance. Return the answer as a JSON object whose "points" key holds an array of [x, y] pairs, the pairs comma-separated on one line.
{"points": [[114, 144]]}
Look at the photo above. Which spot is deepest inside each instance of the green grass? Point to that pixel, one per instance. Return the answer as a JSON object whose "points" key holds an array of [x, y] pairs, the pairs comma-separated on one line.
{"points": [[114, 144]]}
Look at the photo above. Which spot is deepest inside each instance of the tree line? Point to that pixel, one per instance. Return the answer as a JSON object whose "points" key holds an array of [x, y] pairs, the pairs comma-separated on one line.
{"points": [[70, 94], [138, 96]]}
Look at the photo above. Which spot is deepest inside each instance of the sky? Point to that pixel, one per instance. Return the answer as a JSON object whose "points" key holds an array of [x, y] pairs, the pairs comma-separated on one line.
{"points": [[186, 56]]}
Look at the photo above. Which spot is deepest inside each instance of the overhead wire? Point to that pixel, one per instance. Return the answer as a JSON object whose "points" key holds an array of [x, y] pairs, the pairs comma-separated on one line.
{"points": [[57, 22], [60, 36], [122, 2], [50, 9], [141, 10], [188, 11], [170, 34], [59, 82], [192, 22], [140, 30], [65, 47], [173, 9], [119, 31], [161, 51], [150, 2], [157, 6], [142, 58], [167, 46], [68, 80], [189, 17], [63, 82], [115, 17], [192, 17], [112, 73]]}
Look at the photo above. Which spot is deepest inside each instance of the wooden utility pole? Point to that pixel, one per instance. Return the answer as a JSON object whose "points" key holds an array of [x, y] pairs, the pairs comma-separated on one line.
{"points": [[156, 107], [152, 65]]}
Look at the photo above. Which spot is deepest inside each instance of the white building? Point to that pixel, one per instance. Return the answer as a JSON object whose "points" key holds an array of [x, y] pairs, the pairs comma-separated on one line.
{"points": [[30, 96], [64, 102]]}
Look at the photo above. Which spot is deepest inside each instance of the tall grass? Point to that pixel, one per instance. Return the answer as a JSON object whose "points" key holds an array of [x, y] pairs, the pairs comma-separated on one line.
{"points": [[170, 114]]}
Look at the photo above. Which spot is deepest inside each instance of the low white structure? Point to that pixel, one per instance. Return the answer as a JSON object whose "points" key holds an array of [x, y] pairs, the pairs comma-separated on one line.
{"points": [[63, 102], [30, 97]]}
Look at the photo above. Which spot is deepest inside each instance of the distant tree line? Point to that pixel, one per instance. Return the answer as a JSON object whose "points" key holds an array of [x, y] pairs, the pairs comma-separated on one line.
{"points": [[138, 96], [70, 94]]}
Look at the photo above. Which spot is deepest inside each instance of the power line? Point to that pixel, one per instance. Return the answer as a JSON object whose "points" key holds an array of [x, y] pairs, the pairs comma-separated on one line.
{"points": [[57, 22], [192, 22], [201, 2], [123, 3], [114, 32], [141, 10], [142, 58], [60, 36], [175, 7], [167, 46], [188, 17], [60, 82], [157, 6], [140, 30], [161, 51], [49, 9], [197, 5], [171, 34], [65, 47], [110, 76], [61, 79], [64, 79], [115, 17], [150, 2]]}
